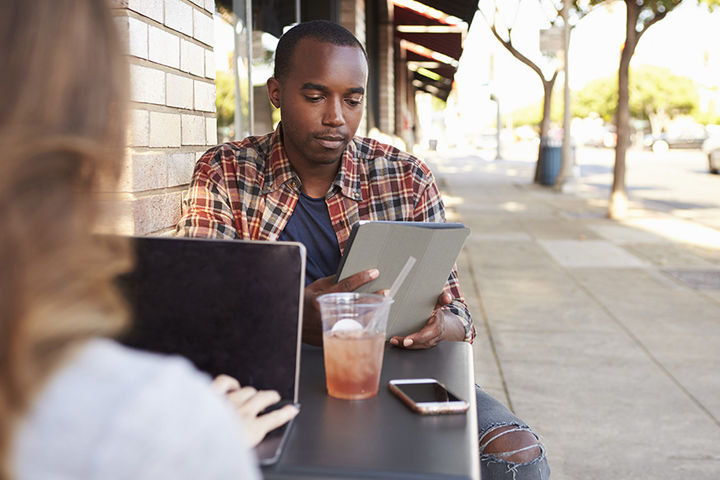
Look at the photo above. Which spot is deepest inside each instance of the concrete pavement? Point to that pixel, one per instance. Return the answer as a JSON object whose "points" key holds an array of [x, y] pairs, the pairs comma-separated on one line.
{"points": [[602, 335]]}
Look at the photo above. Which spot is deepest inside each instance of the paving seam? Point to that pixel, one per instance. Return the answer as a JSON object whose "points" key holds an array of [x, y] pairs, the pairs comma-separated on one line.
{"points": [[632, 336], [476, 289], [488, 330], [708, 297], [642, 346], [700, 292]]}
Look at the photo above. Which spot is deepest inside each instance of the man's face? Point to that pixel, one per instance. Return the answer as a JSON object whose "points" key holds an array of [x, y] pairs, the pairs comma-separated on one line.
{"points": [[321, 101]]}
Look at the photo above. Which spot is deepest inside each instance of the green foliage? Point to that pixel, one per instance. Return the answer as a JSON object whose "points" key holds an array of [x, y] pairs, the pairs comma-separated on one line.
{"points": [[653, 91], [275, 115], [225, 98], [528, 115], [598, 96], [711, 116], [532, 114], [437, 104]]}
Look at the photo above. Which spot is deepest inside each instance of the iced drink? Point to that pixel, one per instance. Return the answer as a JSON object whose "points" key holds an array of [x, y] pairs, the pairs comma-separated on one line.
{"points": [[353, 360], [353, 342]]}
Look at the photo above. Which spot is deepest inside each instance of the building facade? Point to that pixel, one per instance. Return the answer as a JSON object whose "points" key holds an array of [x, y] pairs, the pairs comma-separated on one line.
{"points": [[173, 48]]}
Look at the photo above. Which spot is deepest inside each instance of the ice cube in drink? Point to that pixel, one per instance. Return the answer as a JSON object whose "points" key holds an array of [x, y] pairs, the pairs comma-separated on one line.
{"points": [[353, 360]]}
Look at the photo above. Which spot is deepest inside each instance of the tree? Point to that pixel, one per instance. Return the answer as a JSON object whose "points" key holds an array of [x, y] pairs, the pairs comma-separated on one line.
{"points": [[640, 16], [598, 96], [225, 98], [656, 95], [502, 31]]}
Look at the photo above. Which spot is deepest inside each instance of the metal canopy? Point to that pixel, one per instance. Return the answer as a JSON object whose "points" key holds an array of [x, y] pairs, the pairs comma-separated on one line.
{"points": [[433, 43], [433, 46], [462, 9]]}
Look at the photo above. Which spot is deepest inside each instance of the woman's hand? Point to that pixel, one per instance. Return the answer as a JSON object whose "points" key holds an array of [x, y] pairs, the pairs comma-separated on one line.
{"points": [[248, 403]]}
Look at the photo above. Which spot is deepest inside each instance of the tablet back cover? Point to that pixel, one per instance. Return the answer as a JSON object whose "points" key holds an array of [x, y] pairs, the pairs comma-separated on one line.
{"points": [[387, 247]]}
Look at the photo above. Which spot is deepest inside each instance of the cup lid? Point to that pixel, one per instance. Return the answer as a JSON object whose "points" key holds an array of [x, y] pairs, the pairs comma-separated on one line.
{"points": [[357, 298]]}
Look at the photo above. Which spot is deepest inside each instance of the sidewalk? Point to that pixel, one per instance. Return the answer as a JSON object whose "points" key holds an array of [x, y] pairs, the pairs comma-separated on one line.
{"points": [[604, 336]]}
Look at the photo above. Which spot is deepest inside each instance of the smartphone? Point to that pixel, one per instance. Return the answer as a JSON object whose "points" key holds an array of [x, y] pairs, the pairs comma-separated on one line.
{"points": [[427, 396]]}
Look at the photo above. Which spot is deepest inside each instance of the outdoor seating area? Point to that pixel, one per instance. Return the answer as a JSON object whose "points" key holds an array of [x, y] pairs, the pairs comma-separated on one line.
{"points": [[359, 239]]}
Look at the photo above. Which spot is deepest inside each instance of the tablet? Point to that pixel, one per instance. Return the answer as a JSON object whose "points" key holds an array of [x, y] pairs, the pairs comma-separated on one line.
{"points": [[387, 246]]}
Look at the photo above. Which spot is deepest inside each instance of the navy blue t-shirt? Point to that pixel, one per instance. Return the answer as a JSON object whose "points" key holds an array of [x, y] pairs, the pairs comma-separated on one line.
{"points": [[310, 225]]}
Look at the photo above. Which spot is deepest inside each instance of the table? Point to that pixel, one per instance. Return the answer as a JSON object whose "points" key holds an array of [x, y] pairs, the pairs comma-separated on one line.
{"points": [[381, 437]]}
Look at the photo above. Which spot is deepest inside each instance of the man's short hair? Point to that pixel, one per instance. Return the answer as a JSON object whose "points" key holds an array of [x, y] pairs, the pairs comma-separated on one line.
{"points": [[321, 30]]}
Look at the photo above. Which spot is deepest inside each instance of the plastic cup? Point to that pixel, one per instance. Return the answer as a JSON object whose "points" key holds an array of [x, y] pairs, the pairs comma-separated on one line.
{"points": [[354, 327]]}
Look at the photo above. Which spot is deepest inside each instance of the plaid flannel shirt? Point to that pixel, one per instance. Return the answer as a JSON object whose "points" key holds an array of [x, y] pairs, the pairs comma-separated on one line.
{"points": [[248, 190]]}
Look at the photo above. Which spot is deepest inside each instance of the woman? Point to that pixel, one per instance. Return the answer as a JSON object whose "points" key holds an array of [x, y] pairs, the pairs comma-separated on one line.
{"points": [[72, 404]]}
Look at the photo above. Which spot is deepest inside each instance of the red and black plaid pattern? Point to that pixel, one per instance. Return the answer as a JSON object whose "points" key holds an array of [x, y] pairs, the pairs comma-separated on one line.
{"points": [[248, 190]]}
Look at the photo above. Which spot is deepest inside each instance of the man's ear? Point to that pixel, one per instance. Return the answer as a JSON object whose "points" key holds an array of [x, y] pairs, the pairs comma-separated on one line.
{"points": [[274, 91]]}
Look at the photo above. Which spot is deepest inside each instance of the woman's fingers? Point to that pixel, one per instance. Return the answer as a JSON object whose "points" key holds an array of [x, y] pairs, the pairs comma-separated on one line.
{"points": [[225, 384], [272, 420], [249, 402], [252, 405]]}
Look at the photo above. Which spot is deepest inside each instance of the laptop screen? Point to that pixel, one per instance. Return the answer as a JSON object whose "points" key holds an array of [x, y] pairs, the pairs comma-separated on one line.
{"points": [[229, 306]]}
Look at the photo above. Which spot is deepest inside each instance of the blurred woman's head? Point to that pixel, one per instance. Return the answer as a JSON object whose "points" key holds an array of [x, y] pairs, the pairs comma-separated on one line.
{"points": [[62, 119]]}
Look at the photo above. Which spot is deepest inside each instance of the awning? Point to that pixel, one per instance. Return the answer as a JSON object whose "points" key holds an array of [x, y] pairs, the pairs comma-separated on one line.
{"points": [[462, 9], [431, 32]]}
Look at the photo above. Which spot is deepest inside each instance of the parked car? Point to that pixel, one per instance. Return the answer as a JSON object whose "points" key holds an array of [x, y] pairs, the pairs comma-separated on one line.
{"points": [[711, 147], [665, 141]]}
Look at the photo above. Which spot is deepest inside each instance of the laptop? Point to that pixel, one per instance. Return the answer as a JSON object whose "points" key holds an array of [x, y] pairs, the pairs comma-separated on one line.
{"points": [[229, 306]]}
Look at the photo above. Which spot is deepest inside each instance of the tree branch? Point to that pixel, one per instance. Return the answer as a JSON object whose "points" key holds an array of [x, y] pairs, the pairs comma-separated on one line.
{"points": [[554, 76], [658, 16], [510, 48]]}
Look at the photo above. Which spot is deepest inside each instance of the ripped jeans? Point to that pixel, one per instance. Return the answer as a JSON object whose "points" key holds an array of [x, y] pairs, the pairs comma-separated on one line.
{"points": [[491, 414]]}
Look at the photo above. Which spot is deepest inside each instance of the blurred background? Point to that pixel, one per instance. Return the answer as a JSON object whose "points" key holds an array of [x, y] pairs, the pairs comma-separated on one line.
{"points": [[593, 270]]}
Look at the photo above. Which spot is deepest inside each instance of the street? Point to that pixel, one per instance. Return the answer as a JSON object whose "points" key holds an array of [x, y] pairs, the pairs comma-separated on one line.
{"points": [[676, 181]]}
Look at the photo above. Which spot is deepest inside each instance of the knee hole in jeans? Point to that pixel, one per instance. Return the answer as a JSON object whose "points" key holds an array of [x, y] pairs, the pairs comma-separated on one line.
{"points": [[510, 443]]}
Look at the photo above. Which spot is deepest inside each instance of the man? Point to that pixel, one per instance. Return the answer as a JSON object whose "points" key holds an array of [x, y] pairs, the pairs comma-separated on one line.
{"points": [[311, 180]]}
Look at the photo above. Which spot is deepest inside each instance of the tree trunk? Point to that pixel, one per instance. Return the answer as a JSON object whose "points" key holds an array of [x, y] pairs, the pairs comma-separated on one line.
{"points": [[547, 97], [545, 122], [658, 120], [618, 195]]}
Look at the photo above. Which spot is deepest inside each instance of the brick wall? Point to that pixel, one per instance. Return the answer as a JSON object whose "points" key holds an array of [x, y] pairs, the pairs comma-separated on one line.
{"points": [[386, 73], [172, 116], [352, 17], [401, 85]]}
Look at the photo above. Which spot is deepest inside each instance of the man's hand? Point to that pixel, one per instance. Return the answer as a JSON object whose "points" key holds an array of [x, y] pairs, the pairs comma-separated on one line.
{"points": [[248, 403], [441, 326], [312, 326]]}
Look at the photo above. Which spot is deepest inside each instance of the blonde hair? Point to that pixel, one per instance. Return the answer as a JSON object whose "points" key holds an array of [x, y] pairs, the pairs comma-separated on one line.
{"points": [[62, 119]]}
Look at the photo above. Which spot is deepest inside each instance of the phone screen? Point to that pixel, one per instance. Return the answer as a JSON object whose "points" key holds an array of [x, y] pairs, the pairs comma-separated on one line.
{"points": [[427, 392]]}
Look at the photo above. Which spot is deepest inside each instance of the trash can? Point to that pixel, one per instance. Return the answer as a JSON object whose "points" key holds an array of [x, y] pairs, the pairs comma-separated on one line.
{"points": [[550, 163]]}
